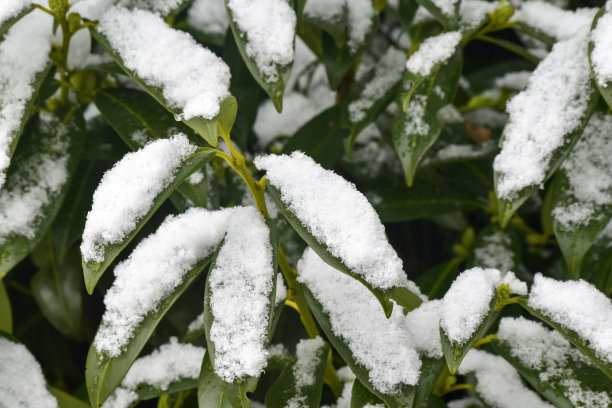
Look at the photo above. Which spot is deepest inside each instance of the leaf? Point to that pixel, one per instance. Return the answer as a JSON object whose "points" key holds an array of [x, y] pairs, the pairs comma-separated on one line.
{"points": [[215, 393], [92, 271], [286, 391], [597, 266], [405, 396], [496, 248], [320, 138], [65, 400], [63, 140], [102, 373], [362, 397], [448, 21], [417, 130], [204, 127], [274, 85], [56, 287], [455, 352], [6, 312], [436, 280], [573, 337], [604, 91], [431, 369], [8, 23]]}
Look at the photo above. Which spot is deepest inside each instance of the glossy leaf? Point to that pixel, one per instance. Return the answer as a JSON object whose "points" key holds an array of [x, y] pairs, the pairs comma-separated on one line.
{"points": [[413, 141], [597, 266], [6, 312], [92, 271], [8, 23], [275, 86], [362, 397], [103, 373], [286, 391], [604, 91], [405, 395], [455, 352], [41, 139], [65, 400], [431, 369], [205, 127]]}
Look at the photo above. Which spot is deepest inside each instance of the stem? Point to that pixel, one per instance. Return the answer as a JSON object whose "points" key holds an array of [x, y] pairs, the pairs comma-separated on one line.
{"points": [[484, 340], [509, 46], [458, 387]]}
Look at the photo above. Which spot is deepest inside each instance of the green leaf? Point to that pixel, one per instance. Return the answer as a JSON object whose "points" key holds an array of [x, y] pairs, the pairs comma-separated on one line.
{"points": [[416, 131], [56, 287], [448, 21], [576, 240], [6, 312], [597, 266], [573, 337], [436, 280], [103, 373], [65, 400], [431, 369], [56, 141], [204, 127], [320, 138], [227, 115], [275, 85], [405, 395], [8, 23], [550, 378], [92, 271], [362, 397], [286, 390], [455, 352], [215, 393], [496, 248]]}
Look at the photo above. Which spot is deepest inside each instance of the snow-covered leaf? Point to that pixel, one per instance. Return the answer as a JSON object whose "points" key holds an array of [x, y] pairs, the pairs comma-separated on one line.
{"points": [[496, 248], [418, 129], [445, 11], [6, 311], [11, 15], [599, 52], [301, 383], [37, 183], [361, 397]]}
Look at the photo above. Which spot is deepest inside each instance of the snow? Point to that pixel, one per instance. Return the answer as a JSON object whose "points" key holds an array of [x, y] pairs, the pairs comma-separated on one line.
{"points": [[495, 252], [240, 284], [589, 173], [24, 53], [381, 345], [387, 73], [328, 206], [192, 79], [22, 384], [304, 369], [467, 402], [11, 8], [360, 19], [498, 383], [281, 289], [601, 55], [551, 107], [160, 7], [153, 270], [577, 306], [127, 191], [554, 21], [269, 27], [91, 9], [467, 302], [423, 323], [447, 7], [548, 352], [474, 12], [464, 151], [34, 182], [208, 17], [330, 11], [415, 123], [514, 81], [196, 324], [433, 51]]}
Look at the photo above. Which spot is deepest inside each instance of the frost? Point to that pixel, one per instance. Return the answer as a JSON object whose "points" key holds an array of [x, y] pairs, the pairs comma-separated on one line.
{"points": [[541, 116], [22, 384], [153, 270], [192, 79], [387, 73], [381, 345], [240, 285], [494, 252], [328, 206], [209, 17], [24, 53], [468, 301], [498, 383], [577, 306], [589, 173], [269, 26], [552, 355], [127, 191], [433, 51]]}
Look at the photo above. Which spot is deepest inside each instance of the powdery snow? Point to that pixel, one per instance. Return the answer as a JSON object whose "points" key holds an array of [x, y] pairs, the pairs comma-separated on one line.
{"points": [[330, 11], [91, 9], [328, 206], [514, 81], [498, 383], [447, 7], [433, 51], [269, 26], [208, 17], [127, 191], [552, 355], [467, 302], [160, 7], [577, 306], [554, 21], [495, 252], [541, 116], [304, 369], [240, 284], [381, 345], [589, 174], [281, 289], [153, 270], [24, 53], [193, 80], [387, 73], [22, 384], [360, 19], [601, 56], [10, 8], [423, 323], [474, 12], [121, 398]]}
